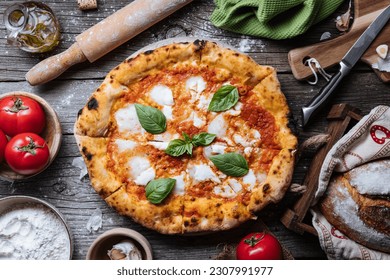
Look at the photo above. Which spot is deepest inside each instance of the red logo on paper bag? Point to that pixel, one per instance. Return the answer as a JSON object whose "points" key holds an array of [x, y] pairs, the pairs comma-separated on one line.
{"points": [[379, 134]]}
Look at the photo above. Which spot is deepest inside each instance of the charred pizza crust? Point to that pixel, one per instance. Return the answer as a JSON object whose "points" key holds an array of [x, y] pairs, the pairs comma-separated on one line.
{"points": [[121, 157]]}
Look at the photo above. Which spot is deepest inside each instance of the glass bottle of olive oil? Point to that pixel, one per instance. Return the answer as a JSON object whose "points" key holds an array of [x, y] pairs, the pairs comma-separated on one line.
{"points": [[32, 27]]}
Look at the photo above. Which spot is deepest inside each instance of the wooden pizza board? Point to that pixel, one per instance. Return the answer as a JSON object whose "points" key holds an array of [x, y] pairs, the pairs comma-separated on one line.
{"points": [[340, 117], [330, 53]]}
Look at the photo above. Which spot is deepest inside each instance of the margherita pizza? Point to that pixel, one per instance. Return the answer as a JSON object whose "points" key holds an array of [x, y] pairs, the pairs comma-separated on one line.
{"points": [[188, 137]]}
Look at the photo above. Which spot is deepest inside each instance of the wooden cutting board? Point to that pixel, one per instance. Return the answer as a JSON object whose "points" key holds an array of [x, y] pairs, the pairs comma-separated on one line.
{"points": [[330, 53]]}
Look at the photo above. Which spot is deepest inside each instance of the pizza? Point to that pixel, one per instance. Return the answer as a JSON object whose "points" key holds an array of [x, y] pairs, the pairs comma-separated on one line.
{"points": [[188, 137]]}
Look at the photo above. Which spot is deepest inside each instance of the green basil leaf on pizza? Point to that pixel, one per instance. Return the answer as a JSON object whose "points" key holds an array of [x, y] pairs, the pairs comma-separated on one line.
{"points": [[178, 147], [231, 164], [157, 190], [151, 119], [225, 98], [203, 139]]}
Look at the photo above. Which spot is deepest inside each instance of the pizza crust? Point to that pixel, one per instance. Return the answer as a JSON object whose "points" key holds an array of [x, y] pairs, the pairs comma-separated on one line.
{"points": [[278, 180], [96, 128], [165, 218]]}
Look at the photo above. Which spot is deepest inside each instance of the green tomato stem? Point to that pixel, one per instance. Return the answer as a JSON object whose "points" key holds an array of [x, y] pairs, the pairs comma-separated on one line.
{"points": [[18, 106], [31, 147], [253, 240]]}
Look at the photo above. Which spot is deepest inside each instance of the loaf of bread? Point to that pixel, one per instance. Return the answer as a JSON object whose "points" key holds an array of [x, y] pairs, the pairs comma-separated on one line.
{"points": [[358, 204]]}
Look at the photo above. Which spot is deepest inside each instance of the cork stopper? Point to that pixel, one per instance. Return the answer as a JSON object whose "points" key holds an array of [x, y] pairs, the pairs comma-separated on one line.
{"points": [[87, 4]]}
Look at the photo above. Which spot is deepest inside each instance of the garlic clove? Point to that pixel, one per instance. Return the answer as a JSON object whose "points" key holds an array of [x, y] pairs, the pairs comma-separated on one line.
{"points": [[342, 22], [125, 250], [116, 254], [382, 50]]}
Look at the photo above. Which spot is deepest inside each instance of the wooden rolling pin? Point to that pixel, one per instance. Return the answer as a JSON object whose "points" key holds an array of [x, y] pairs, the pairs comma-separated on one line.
{"points": [[105, 36]]}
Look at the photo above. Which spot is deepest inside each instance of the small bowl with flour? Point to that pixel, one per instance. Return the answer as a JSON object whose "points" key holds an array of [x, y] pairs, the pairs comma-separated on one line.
{"points": [[32, 229]]}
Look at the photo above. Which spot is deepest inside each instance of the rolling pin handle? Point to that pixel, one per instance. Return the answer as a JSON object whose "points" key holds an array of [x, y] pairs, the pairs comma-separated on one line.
{"points": [[52, 67]]}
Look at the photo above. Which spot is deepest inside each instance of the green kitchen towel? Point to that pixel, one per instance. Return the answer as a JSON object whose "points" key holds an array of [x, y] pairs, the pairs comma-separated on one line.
{"points": [[274, 19]]}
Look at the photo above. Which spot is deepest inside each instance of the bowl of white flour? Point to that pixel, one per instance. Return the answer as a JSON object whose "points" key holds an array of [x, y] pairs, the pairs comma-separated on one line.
{"points": [[32, 229]]}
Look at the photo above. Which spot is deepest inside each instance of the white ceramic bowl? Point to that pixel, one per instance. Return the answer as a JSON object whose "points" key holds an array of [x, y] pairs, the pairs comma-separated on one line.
{"points": [[99, 248], [11, 202]]}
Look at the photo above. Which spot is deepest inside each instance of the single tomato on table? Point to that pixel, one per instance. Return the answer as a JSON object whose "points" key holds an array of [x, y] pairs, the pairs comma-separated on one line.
{"points": [[19, 114], [27, 153], [3, 143], [259, 246]]}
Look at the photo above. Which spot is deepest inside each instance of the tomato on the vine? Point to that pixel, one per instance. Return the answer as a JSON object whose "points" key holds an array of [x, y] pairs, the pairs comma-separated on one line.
{"points": [[19, 114], [3, 143], [259, 246], [27, 153]]}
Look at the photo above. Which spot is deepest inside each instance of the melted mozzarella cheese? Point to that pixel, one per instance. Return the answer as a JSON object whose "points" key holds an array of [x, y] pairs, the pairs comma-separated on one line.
{"points": [[162, 95], [203, 172], [235, 185], [218, 126], [138, 165], [236, 110], [224, 191], [124, 145], [204, 102], [195, 85], [165, 137], [159, 145], [249, 179], [255, 133], [214, 149], [198, 122], [261, 177], [253, 138], [167, 111], [145, 177], [127, 120], [179, 188], [248, 151]]}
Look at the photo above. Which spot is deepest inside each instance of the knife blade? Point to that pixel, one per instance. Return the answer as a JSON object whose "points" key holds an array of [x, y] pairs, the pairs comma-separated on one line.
{"points": [[346, 64]]}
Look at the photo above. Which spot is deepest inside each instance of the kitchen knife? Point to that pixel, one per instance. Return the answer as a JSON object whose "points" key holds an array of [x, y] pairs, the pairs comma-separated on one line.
{"points": [[105, 36], [346, 64]]}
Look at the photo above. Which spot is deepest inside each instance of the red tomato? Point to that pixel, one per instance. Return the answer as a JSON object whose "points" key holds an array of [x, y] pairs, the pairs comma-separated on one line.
{"points": [[3, 143], [19, 114], [27, 153], [259, 246]]}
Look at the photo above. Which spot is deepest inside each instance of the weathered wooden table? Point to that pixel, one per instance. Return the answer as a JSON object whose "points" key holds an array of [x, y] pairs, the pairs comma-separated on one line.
{"points": [[60, 183]]}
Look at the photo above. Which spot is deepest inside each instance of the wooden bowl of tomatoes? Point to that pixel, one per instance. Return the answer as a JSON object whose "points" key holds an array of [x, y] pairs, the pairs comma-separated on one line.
{"points": [[30, 135]]}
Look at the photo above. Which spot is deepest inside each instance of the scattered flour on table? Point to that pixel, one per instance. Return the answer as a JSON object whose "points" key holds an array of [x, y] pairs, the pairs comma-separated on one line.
{"points": [[95, 221], [33, 232], [248, 45], [80, 164]]}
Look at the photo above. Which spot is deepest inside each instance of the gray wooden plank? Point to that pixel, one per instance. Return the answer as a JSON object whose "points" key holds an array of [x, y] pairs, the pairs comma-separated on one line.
{"points": [[15, 63]]}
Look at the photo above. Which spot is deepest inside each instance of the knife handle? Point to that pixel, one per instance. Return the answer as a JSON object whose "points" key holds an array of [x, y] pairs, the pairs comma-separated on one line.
{"points": [[321, 99], [52, 67]]}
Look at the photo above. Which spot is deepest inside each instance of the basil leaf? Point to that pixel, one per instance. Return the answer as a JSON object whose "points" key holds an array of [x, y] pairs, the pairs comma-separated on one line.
{"points": [[159, 189], [151, 119], [177, 148], [189, 147], [186, 137], [225, 98], [203, 139], [231, 164]]}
